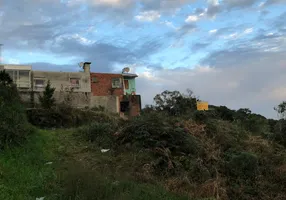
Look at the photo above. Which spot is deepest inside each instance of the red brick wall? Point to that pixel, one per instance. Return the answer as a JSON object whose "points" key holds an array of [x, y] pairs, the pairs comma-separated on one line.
{"points": [[135, 106], [104, 84]]}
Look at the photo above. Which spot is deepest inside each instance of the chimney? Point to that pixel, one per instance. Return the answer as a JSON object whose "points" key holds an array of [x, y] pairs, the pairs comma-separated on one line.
{"points": [[86, 67]]}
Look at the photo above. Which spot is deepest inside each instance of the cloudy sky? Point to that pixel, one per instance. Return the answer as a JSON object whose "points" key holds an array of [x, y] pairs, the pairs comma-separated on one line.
{"points": [[229, 52]]}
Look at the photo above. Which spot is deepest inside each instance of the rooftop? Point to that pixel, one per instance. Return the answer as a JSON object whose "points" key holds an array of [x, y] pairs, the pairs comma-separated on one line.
{"points": [[16, 67], [129, 75]]}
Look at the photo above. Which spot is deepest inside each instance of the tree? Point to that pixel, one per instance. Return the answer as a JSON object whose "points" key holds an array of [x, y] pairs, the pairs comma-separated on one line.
{"points": [[5, 78], [47, 100], [175, 103], [281, 110], [280, 127], [14, 125], [225, 113]]}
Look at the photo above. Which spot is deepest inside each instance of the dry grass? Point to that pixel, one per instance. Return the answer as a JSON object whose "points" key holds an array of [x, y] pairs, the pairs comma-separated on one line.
{"points": [[212, 150], [257, 144]]}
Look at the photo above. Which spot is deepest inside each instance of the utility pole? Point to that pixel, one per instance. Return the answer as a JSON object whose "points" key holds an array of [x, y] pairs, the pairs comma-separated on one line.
{"points": [[1, 53]]}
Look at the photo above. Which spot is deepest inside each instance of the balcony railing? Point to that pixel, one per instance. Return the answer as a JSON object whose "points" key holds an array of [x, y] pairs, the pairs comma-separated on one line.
{"points": [[23, 84]]}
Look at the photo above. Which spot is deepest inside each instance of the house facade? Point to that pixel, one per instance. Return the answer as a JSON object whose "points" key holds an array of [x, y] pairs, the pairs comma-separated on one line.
{"points": [[108, 90], [83, 89]]}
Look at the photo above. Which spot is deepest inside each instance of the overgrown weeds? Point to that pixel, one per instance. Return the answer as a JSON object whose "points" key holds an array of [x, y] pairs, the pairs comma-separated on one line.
{"points": [[85, 184], [99, 133], [14, 126], [26, 172], [208, 158]]}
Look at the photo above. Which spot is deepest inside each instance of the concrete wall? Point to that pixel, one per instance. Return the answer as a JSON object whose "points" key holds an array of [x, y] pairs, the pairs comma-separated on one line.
{"points": [[78, 99], [61, 80], [101, 84], [110, 103]]}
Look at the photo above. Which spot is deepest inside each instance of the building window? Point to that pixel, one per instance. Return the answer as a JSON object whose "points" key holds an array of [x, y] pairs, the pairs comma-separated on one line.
{"points": [[23, 80], [94, 80], [39, 83], [23, 74], [20, 77], [116, 83], [126, 84], [74, 82]]}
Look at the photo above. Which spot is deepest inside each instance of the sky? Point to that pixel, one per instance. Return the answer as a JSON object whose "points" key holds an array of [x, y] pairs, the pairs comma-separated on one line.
{"points": [[228, 52]]}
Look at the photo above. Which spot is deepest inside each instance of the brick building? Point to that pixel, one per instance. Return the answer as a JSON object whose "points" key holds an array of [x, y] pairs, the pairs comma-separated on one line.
{"points": [[114, 91]]}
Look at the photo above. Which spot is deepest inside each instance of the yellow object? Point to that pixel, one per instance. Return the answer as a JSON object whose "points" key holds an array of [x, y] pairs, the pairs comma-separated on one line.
{"points": [[202, 105]]}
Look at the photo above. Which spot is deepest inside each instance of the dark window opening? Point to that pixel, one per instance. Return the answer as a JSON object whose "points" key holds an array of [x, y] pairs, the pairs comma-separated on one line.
{"points": [[124, 106], [39, 83]]}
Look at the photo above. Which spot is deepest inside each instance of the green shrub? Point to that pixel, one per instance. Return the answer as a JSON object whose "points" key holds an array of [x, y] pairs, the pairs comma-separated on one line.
{"points": [[98, 108], [227, 135], [14, 126], [204, 116], [154, 130], [280, 132], [242, 165], [67, 117], [161, 137], [99, 133]]}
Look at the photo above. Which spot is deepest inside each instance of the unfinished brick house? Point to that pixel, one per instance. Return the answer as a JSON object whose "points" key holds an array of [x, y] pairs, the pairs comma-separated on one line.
{"points": [[115, 92]]}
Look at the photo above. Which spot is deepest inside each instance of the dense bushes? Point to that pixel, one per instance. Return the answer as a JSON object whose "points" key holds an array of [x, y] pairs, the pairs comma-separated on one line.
{"points": [[63, 116], [155, 130], [213, 153], [280, 132], [14, 126], [242, 165]]}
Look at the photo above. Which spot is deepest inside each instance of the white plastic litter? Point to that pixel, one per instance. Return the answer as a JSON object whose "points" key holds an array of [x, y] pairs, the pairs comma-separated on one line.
{"points": [[49, 163], [104, 150], [40, 198]]}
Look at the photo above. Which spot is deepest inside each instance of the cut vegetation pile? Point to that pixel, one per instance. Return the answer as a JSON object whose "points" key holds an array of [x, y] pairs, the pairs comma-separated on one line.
{"points": [[212, 159]]}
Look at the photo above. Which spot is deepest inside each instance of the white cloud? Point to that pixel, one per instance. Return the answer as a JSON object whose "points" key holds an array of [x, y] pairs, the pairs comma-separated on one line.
{"points": [[81, 39], [213, 2], [277, 93], [192, 18], [269, 34], [231, 36], [14, 61], [237, 35], [261, 4], [170, 24], [248, 31], [213, 31], [148, 16], [109, 3]]}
